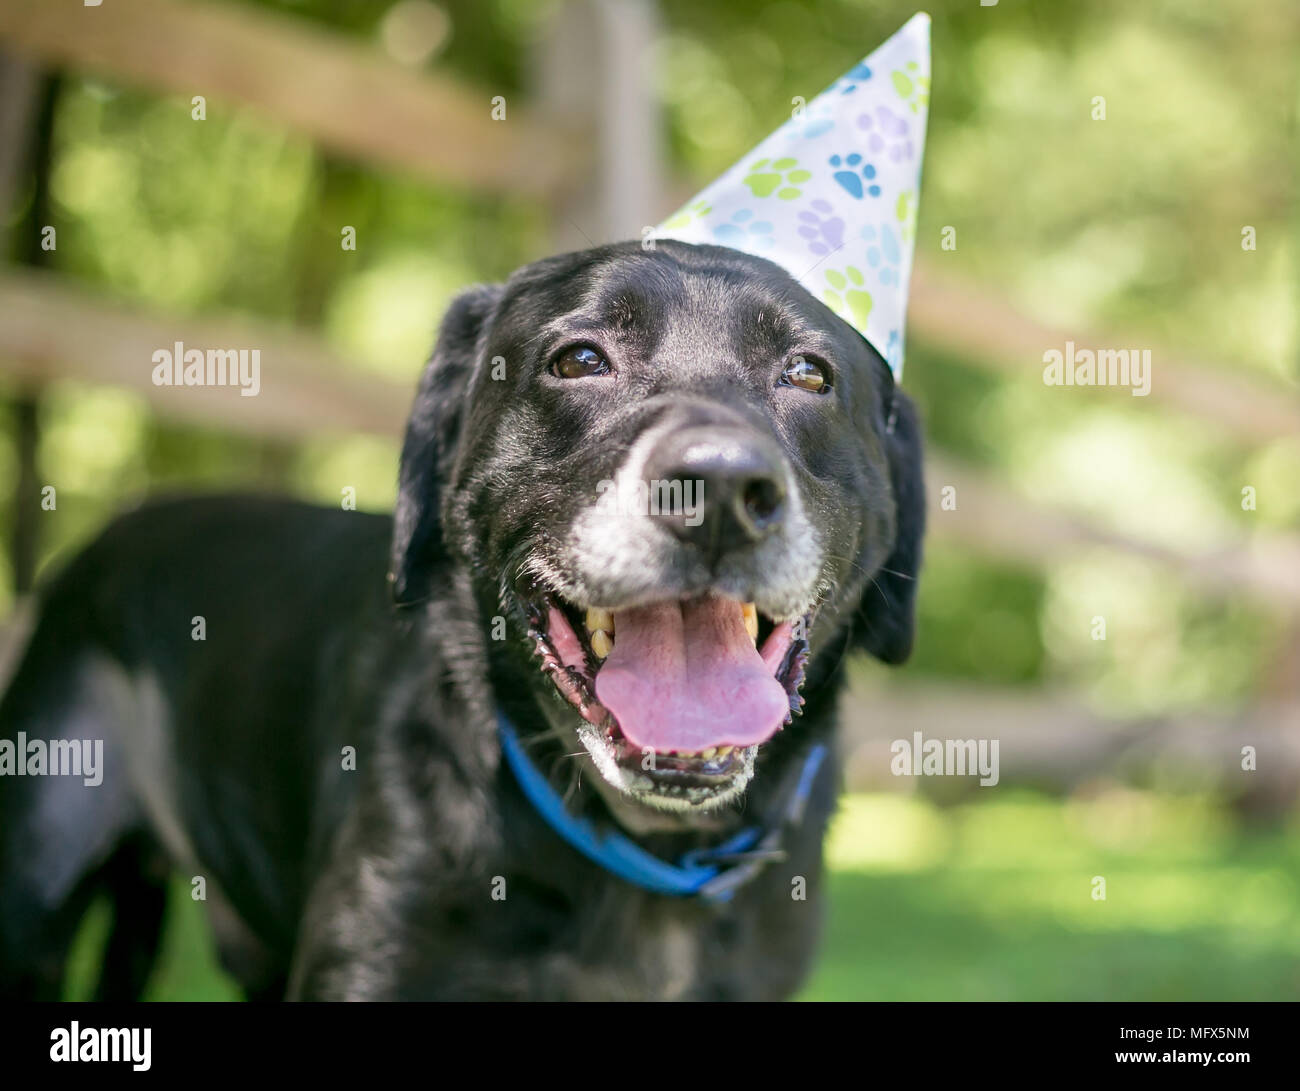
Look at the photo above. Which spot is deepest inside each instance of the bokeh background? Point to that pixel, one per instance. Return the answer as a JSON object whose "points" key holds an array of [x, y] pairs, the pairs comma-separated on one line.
{"points": [[1173, 518]]}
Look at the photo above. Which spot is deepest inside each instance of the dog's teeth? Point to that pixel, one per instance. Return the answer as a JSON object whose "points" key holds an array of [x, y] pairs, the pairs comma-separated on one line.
{"points": [[601, 644], [751, 620], [723, 751], [599, 619], [707, 754]]}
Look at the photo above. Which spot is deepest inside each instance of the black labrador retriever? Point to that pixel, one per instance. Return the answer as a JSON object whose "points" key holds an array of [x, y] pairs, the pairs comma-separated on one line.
{"points": [[573, 747]]}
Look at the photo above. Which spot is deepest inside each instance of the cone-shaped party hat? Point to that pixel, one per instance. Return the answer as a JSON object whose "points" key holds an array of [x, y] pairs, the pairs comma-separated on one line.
{"points": [[832, 194]]}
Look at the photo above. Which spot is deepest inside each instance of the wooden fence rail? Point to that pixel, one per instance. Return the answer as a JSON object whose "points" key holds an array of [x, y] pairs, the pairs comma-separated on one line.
{"points": [[341, 92]]}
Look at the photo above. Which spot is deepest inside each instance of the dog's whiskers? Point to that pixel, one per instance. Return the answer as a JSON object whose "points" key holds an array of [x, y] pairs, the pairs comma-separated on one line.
{"points": [[535, 740], [900, 575]]}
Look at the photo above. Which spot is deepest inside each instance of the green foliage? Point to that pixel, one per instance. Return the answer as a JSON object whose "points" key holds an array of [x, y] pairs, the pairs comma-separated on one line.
{"points": [[977, 621]]}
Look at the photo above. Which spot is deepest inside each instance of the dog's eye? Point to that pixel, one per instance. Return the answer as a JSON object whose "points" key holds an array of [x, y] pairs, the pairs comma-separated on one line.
{"points": [[579, 362], [807, 374]]}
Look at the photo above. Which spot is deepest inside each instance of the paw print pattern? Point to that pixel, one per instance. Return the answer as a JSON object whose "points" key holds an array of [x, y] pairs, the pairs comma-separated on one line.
{"points": [[894, 351], [886, 132], [824, 232], [883, 253], [779, 176], [847, 295], [818, 119], [743, 230], [855, 175], [912, 87], [850, 80], [687, 214]]}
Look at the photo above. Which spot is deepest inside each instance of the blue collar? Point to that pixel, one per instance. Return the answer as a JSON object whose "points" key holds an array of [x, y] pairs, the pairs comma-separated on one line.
{"points": [[712, 874]]}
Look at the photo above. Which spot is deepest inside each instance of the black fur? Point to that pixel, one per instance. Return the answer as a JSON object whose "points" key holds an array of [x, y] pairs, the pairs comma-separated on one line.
{"points": [[886, 619], [225, 755]]}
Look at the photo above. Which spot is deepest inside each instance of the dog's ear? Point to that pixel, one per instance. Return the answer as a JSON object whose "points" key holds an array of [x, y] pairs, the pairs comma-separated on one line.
{"points": [[886, 619], [432, 434]]}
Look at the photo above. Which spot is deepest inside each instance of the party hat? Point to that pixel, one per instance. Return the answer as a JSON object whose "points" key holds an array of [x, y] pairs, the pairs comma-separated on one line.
{"points": [[832, 194]]}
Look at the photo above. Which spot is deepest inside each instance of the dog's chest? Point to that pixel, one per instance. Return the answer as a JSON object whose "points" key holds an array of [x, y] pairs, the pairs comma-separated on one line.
{"points": [[656, 956], [656, 949], [669, 957]]}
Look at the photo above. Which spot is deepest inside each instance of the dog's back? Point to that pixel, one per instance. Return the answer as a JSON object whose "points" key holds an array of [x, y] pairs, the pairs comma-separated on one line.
{"points": [[127, 678]]}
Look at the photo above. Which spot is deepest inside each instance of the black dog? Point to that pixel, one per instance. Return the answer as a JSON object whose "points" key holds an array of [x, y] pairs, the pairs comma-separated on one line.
{"points": [[645, 497]]}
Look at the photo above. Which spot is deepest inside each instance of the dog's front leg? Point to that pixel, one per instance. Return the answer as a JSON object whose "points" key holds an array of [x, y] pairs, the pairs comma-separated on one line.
{"points": [[404, 909], [352, 935]]}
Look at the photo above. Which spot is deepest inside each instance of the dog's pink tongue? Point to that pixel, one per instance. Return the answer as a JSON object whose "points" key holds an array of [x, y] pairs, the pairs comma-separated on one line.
{"points": [[686, 676]]}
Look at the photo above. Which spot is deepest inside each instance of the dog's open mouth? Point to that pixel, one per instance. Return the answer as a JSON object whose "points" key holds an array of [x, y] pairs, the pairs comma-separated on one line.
{"points": [[675, 697]]}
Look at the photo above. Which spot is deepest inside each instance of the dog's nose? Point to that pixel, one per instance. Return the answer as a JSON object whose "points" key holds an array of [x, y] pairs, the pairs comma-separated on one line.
{"points": [[720, 489]]}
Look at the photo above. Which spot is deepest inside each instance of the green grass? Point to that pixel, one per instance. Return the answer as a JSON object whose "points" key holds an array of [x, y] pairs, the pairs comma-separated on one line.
{"points": [[990, 901], [993, 901]]}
